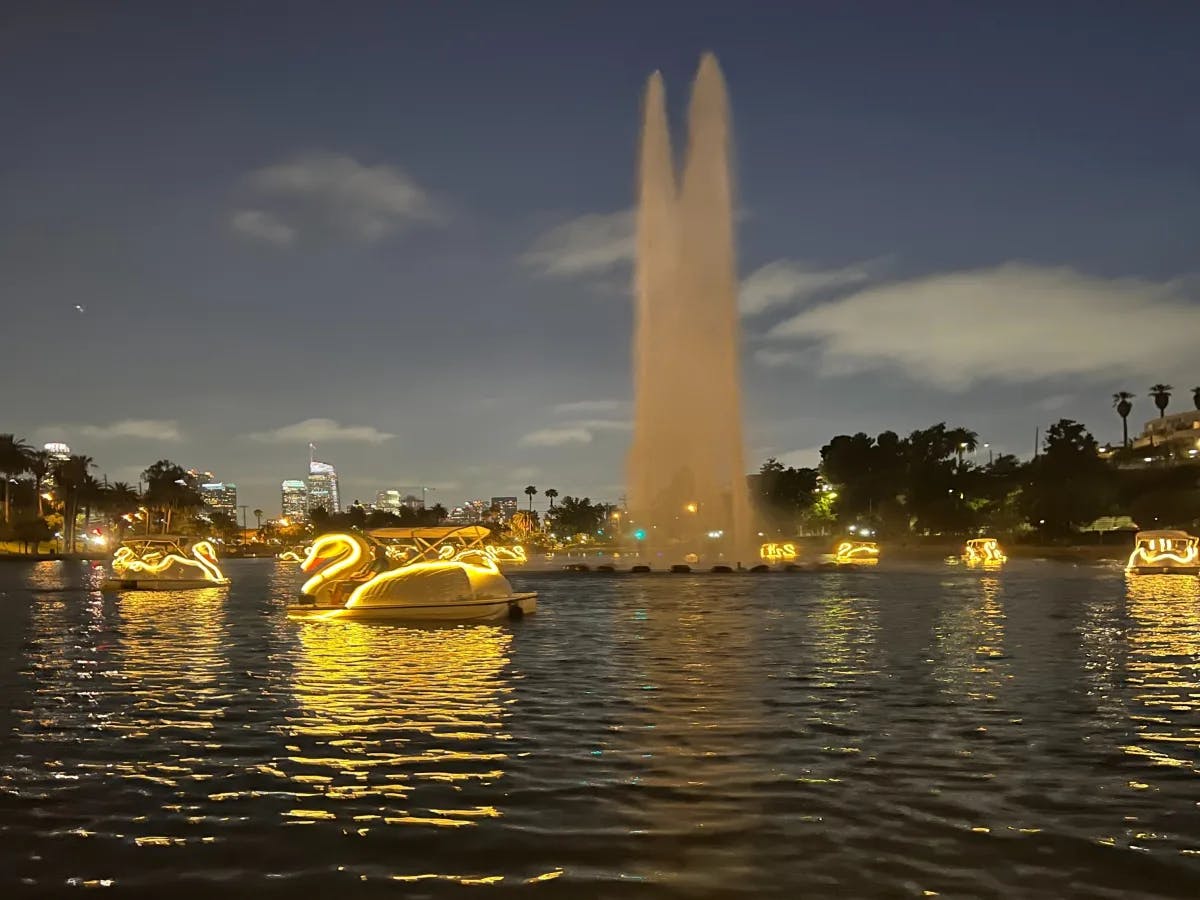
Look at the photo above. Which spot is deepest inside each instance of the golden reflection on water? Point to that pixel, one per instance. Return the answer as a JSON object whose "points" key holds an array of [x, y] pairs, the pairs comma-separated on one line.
{"points": [[1163, 668], [970, 637], [385, 713]]}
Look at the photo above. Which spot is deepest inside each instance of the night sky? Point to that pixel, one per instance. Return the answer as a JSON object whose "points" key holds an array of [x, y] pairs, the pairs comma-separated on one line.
{"points": [[402, 229]]}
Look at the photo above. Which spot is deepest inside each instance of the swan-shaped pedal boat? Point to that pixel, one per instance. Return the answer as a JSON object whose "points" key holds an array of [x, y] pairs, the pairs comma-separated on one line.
{"points": [[983, 551], [164, 563], [354, 576], [1164, 553]]}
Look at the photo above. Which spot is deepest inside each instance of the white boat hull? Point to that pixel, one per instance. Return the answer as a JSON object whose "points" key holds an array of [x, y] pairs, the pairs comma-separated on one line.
{"points": [[498, 609], [159, 584]]}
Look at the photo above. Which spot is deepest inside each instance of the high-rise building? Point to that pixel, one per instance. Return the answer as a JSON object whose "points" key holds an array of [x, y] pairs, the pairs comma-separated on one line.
{"points": [[322, 487], [221, 497], [197, 478], [508, 507], [58, 452], [476, 510], [294, 504]]}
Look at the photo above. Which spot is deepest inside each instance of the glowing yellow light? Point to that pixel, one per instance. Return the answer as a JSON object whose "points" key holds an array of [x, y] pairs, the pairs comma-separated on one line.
{"points": [[335, 554], [373, 585], [857, 552], [777, 552], [154, 562], [1164, 550], [691, 507], [983, 550]]}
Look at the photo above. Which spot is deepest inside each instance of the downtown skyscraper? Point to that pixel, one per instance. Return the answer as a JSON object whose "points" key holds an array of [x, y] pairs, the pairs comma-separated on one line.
{"points": [[322, 485]]}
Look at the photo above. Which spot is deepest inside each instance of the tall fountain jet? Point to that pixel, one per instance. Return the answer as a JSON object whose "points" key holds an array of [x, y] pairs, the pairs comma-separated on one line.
{"points": [[687, 480]]}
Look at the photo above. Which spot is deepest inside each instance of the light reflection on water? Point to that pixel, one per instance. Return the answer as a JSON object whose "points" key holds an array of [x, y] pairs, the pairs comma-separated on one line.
{"points": [[1029, 731]]}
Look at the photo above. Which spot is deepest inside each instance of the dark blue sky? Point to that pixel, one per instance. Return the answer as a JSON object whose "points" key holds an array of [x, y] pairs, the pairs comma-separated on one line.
{"points": [[409, 219]]}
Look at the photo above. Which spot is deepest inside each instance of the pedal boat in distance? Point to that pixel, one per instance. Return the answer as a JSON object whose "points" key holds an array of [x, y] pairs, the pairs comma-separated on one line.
{"points": [[354, 576], [984, 551], [164, 562], [1164, 553]]}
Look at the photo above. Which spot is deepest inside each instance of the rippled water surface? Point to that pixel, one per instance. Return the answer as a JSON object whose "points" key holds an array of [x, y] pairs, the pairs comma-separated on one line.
{"points": [[1031, 732]]}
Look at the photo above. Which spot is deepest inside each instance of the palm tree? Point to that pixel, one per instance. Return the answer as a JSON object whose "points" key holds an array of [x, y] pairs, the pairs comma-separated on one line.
{"points": [[1123, 401], [71, 476], [1196, 397], [1162, 396], [39, 467], [14, 459], [258, 514], [118, 501], [551, 493], [530, 491]]}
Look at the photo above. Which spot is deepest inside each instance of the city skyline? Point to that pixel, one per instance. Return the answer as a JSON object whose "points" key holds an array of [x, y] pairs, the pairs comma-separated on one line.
{"points": [[428, 276]]}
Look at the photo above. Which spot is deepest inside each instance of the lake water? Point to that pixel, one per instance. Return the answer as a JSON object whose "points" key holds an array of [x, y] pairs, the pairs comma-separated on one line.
{"points": [[936, 731]]}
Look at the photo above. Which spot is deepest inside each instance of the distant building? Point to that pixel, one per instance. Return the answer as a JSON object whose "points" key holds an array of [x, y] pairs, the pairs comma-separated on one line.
{"points": [[323, 487], [476, 510], [220, 497], [197, 478], [1177, 435], [294, 504], [58, 452], [389, 501], [508, 507]]}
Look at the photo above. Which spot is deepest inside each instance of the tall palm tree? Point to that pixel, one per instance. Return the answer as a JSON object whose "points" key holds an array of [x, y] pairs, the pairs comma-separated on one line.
{"points": [[1162, 396], [530, 491], [1196, 397], [258, 514], [118, 501], [39, 467], [1123, 401], [551, 493], [14, 459], [71, 475]]}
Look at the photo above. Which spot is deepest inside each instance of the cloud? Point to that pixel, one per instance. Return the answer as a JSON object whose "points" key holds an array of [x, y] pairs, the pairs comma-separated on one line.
{"points": [[808, 458], [583, 407], [259, 225], [591, 244], [778, 359], [137, 429], [323, 430], [787, 281], [556, 437], [336, 192], [1013, 323]]}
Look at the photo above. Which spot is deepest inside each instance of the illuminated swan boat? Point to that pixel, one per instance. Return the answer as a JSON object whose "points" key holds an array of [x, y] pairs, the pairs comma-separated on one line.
{"points": [[361, 576], [983, 551], [856, 553], [164, 563], [1164, 553]]}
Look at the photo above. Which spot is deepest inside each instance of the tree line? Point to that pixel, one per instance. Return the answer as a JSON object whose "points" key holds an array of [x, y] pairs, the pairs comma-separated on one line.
{"points": [[929, 483]]}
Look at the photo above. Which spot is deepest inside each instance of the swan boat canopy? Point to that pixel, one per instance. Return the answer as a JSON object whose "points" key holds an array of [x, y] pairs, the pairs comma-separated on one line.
{"points": [[856, 553], [983, 550], [408, 574], [1164, 553], [164, 562]]}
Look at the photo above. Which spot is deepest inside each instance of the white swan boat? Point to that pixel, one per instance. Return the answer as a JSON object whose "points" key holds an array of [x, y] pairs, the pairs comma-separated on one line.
{"points": [[365, 576], [164, 562], [1164, 553]]}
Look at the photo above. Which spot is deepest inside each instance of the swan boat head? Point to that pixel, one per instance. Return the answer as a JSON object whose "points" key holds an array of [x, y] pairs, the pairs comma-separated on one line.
{"points": [[335, 563]]}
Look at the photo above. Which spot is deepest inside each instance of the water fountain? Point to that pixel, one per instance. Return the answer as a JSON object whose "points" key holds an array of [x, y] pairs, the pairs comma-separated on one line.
{"points": [[687, 485]]}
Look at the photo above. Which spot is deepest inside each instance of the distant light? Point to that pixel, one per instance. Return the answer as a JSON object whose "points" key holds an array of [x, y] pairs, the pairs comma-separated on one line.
{"points": [[1147, 459], [691, 507], [853, 528], [640, 534]]}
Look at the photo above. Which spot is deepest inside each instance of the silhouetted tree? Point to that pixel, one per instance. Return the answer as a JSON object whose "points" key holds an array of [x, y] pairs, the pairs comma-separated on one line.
{"points": [[39, 466], [168, 490], [1123, 402], [1162, 396], [1196, 397], [1069, 484], [530, 492], [14, 461], [551, 493]]}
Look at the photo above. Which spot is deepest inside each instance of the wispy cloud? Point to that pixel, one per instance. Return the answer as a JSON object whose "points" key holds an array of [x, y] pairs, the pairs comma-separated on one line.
{"points": [[322, 430], [584, 407], [787, 281], [556, 437], [166, 430], [1013, 323], [334, 192], [588, 245], [260, 225]]}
